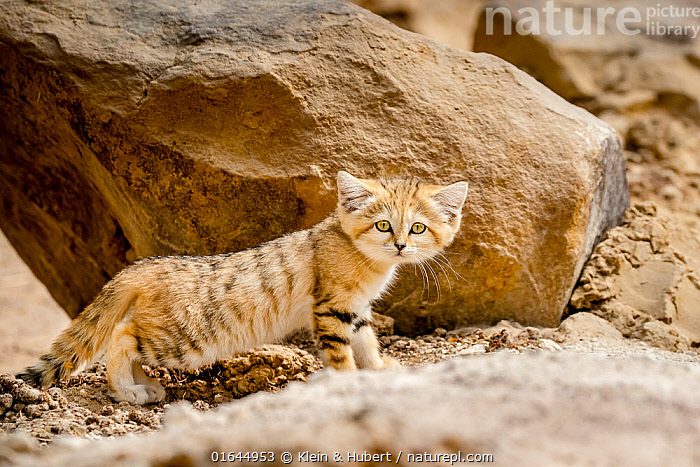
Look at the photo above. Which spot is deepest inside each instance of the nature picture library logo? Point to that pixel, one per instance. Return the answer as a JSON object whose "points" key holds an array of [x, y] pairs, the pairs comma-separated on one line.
{"points": [[672, 20]]}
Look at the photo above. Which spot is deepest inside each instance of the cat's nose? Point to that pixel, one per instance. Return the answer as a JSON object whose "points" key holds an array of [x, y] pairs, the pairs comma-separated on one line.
{"points": [[400, 246]]}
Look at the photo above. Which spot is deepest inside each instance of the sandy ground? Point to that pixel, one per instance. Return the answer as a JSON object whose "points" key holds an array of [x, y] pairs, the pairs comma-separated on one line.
{"points": [[29, 318]]}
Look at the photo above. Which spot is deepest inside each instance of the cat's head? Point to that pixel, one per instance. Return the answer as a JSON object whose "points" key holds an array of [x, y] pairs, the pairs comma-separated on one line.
{"points": [[399, 221]]}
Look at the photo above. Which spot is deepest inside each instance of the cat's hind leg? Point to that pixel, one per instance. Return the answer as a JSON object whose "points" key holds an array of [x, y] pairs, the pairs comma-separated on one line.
{"points": [[123, 353], [154, 389]]}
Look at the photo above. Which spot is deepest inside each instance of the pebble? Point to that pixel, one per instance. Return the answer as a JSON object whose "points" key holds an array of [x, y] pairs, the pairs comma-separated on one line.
{"points": [[548, 344], [200, 405], [475, 349], [33, 411], [28, 394], [6, 400], [138, 417]]}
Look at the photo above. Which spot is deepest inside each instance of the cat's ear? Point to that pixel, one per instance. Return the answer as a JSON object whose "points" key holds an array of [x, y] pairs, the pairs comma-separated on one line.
{"points": [[352, 193], [450, 199]]}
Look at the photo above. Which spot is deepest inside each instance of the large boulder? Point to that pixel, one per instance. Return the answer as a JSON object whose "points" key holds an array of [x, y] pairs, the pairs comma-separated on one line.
{"points": [[137, 128]]}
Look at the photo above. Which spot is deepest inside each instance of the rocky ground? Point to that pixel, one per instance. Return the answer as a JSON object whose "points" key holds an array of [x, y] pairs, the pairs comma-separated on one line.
{"points": [[524, 377], [82, 407]]}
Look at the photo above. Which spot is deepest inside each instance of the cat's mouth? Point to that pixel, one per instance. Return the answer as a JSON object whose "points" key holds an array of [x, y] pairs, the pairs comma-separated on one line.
{"points": [[403, 257]]}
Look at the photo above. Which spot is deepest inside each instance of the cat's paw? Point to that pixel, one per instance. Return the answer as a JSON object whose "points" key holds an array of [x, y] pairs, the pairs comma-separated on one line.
{"points": [[155, 392], [389, 362], [139, 394]]}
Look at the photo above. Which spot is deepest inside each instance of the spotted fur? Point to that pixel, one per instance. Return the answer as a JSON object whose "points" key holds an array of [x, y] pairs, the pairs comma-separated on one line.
{"points": [[190, 311]]}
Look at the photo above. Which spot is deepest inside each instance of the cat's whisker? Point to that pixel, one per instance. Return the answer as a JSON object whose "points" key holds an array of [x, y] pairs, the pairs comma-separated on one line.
{"points": [[424, 261], [420, 264], [449, 284], [426, 281], [458, 275], [415, 271], [443, 262], [435, 278], [446, 262], [428, 257]]}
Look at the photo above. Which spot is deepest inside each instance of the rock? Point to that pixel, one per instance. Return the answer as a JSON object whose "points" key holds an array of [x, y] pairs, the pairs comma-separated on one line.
{"points": [[639, 276], [15, 444], [28, 394], [268, 368], [33, 410], [664, 336], [475, 349], [584, 325], [6, 400], [383, 325], [584, 410], [148, 130], [550, 345]]}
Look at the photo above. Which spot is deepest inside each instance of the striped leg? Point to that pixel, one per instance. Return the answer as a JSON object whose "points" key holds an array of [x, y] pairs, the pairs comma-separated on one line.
{"points": [[333, 328]]}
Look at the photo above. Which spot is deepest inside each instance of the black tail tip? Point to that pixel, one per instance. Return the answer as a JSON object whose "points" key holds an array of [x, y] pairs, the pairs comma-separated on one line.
{"points": [[31, 375]]}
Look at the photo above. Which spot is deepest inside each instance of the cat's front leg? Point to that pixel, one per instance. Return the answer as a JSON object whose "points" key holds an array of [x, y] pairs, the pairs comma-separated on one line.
{"points": [[365, 345], [333, 327]]}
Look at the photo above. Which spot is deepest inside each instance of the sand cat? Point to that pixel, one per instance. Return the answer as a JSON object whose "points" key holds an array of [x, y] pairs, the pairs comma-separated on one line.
{"points": [[189, 311]]}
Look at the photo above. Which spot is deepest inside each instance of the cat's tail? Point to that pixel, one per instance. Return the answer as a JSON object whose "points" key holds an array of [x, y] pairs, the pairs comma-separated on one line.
{"points": [[86, 337]]}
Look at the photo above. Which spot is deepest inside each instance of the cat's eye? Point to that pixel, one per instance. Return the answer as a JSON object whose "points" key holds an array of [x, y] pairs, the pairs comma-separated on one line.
{"points": [[418, 228], [383, 226]]}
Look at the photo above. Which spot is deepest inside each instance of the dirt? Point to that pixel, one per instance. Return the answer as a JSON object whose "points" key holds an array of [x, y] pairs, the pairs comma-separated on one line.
{"points": [[82, 406], [662, 160]]}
